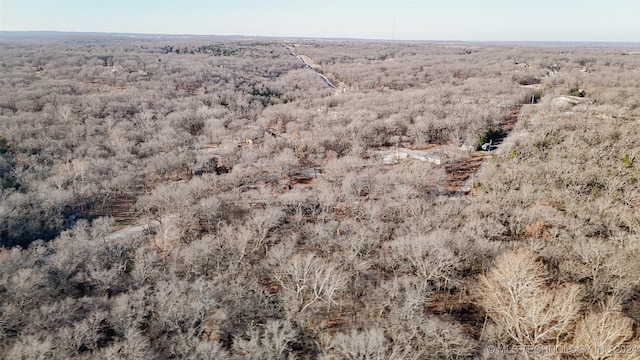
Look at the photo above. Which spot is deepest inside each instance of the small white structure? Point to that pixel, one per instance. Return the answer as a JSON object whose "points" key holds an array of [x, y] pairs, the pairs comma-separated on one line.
{"points": [[400, 154], [488, 146]]}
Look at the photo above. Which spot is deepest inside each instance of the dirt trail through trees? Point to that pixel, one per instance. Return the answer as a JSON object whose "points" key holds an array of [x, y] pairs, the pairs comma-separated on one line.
{"points": [[461, 174]]}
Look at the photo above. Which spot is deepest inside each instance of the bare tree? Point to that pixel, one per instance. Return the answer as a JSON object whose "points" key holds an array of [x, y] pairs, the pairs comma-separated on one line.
{"points": [[604, 333], [429, 258], [31, 347], [367, 345], [270, 342], [516, 297], [134, 346], [309, 280]]}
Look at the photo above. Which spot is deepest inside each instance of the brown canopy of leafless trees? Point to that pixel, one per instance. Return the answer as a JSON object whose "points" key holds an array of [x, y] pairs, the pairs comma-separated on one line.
{"points": [[213, 198]]}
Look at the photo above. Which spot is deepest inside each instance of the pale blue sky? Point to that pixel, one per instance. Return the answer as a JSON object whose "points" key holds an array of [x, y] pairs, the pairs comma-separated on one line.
{"points": [[504, 20]]}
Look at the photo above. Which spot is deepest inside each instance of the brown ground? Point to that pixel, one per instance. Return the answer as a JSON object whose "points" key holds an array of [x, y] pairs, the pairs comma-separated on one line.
{"points": [[120, 209], [459, 172], [458, 305]]}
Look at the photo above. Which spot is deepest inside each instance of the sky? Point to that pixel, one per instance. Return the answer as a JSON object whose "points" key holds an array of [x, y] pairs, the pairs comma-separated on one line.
{"points": [[463, 20]]}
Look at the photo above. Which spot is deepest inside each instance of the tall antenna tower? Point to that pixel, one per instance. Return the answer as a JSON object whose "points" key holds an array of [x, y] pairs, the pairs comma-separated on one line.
{"points": [[393, 32]]}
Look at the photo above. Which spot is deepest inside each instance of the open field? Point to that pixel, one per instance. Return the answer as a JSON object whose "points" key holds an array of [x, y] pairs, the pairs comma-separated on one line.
{"points": [[178, 198]]}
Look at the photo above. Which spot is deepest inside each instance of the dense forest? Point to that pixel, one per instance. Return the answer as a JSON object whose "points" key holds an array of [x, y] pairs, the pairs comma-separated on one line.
{"points": [[208, 198]]}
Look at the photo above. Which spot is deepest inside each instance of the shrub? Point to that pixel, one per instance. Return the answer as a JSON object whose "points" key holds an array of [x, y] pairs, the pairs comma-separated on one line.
{"points": [[574, 91], [491, 134], [5, 147], [531, 98], [528, 80]]}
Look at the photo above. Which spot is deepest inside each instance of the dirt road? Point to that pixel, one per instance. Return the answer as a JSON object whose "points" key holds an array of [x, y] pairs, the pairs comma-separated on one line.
{"points": [[308, 62]]}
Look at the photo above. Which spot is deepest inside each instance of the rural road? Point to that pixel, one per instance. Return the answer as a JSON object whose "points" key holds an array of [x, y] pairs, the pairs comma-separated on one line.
{"points": [[308, 62]]}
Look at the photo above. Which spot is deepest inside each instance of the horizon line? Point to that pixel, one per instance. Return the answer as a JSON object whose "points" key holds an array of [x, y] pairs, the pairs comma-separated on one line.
{"points": [[299, 37]]}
